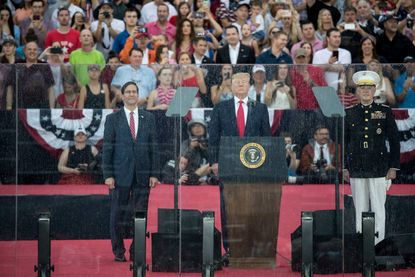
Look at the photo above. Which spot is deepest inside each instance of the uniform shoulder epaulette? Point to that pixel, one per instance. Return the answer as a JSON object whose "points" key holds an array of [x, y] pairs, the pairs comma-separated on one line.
{"points": [[384, 105], [349, 107]]}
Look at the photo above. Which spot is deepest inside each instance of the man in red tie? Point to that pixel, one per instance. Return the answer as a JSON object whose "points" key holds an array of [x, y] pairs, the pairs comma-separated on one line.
{"points": [[129, 164], [239, 116]]}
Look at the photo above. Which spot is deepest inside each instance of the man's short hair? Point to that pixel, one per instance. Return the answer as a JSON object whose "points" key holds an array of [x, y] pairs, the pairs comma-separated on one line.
{"points": [[305, 22], [34, 1], [127, 84], [332, 30], [231, 27], [63, 9], [132, 9], [319, 127], [135, 49], [350, 9], [277, 34], [199, 38], [240, 75], [163, 4]]}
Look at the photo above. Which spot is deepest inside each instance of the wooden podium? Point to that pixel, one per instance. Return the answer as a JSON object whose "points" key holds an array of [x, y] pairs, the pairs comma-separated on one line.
{"points": [[252, 171]]}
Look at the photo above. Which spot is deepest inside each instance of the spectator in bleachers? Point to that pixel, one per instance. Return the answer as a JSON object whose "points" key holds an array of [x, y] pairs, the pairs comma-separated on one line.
{"points": [[367, 51], [308, 47], [292, 155], [271, 32], [248, 40], [276, 54], [234, 52], [210, 33], [317, 163], [242, 15], [257, 21], [324, 23], [150, 13], [105, 28], [185, 34], [37, 22], [55, 57], [131, 17], [301, 7], [82, 57], [23, 12], [190, 75], [141, 39], [7, 76], [119, 7], [280, 93], [384, 91], [66, 37], [200, 47], [74, 161], [271, 14], [315, 6], [308, 35], [78, 22], [35, 79], [183, 10], [160, 98], [290, 25], [405, 8], [140, 74], [393, 39], [69, 98], [304, 77], [332, 59], [365, 18], [72, 8], [162, 25], [7, 26], [113, 62], [223, 90], [8, 54], [405, 85], [257, 90], [162, 58], [95, 94]]}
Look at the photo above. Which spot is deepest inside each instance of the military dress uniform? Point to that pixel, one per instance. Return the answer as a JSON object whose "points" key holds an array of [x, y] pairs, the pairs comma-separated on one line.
{"points": [[368, 159]]}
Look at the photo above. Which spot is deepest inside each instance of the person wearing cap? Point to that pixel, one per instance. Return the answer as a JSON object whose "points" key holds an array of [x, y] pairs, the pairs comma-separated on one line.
{"points": [[405, 85], [391, 38], [129, 164], [105, 28], [242, 15], [74, 161], [8, 54], [257, 90], [369, 165]]}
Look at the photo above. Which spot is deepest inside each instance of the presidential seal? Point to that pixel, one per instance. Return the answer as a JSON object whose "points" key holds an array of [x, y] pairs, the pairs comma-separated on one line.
{"points": [[252, 155]]}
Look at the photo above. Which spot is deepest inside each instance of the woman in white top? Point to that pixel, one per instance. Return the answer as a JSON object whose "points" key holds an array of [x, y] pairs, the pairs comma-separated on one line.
{"points": [[280, 94], [384, 91]]}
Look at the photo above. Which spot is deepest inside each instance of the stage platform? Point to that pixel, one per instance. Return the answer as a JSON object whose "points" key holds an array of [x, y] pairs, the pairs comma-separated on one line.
{"points": [[93, 257]]}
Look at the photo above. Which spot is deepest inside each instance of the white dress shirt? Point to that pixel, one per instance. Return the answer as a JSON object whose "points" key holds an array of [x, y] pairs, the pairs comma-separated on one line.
{"points": [[233, 53], [326, 153], [244, 106], [127, 114]]}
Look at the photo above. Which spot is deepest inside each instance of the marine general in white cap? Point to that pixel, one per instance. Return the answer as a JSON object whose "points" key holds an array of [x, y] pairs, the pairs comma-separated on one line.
{"points": [[366, 82]]}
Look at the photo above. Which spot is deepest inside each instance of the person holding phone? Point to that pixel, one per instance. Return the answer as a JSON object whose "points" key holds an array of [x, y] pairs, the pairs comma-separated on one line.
{"points": [[279, 93], [333, 58], [223, 90]]}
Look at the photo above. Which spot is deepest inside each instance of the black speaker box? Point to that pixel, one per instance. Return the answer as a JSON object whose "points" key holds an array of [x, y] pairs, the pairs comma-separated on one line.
{"points": [[181, 252]]}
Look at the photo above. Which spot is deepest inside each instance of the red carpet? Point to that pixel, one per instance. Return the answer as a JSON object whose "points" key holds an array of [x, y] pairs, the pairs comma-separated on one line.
{"points": [[94, 257]]}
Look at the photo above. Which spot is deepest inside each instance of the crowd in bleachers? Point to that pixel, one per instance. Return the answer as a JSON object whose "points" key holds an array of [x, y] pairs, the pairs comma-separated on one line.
{"points": [[78, 54]]}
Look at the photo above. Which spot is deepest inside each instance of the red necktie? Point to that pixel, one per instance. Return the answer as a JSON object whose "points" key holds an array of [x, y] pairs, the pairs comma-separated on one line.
{"points": [[240, 119], [132, 125]]}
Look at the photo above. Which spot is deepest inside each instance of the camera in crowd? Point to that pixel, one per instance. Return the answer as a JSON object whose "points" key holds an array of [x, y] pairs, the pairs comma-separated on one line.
{"points": [[199, 15], [203, 141], [106, 14], [56, 50], [278, 84], [292, 147], [321, 164]]}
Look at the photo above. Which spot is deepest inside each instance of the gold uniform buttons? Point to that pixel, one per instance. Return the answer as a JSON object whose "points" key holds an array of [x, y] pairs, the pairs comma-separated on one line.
{"points": [[366, 119], [366, 136], [366, 111], [366, 128]]}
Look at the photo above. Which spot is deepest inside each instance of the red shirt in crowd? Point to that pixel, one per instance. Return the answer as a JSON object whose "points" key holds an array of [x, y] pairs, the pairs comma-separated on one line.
{"points": [[305, 96], [68, 42]]}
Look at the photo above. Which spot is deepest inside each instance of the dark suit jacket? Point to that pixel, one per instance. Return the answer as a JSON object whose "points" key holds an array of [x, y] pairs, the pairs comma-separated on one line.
{"points": [[223, 124], [205, 60], [122, 156], [246, 55]]}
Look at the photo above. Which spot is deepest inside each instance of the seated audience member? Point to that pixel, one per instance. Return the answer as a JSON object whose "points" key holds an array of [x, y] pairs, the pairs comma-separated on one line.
{"points": [[384, 91], [70, 5], [223, 90], [22, 12], [309, 51], [8, 53], [234, 52], [183, 11], [149, 12], [241, 15], [290, 26], [405, 85], [367, 52], [75, 162], [82, 57], [308, 35], [280, 93], [257, 21], [78, 22], [113, 62], [292, 156], [35, 79], [304, 77], [54, 56], [105, 28], [365, 18], [162, 58], [325, 23], [248, 39], [185, 34], [315, 6], [162, 25], [69, 98], [276, 54], [141, 39], [317, 163], [161, 97], [95, 94], [131, 16], [140, 74], [271, 14], [200, 47], [190, 75], [7, 27], [258, 88], [119, 8]]}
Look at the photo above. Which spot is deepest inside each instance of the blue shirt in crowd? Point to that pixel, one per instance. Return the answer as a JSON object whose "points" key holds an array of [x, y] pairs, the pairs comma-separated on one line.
{"points": [[144, 77], [268, 58], [409, 100]]}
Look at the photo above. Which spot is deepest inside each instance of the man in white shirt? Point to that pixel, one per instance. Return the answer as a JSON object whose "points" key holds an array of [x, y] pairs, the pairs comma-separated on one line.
{"points": [[332, 59], [149, 11]]}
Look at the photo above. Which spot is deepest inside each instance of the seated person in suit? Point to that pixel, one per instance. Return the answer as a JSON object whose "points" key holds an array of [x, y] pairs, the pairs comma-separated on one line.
{"points": [[318, 163], [75, 162]]}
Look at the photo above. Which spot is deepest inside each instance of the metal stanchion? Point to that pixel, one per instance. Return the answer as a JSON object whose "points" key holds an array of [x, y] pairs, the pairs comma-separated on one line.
{"points": [[43, 267], [307, 244], [368, 236], [208, 238], [139, 266]]}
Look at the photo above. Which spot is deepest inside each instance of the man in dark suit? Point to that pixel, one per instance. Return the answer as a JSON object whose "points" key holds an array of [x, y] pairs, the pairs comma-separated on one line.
{"points": [[235, 117], [234, 52], [129, 164], [369, 166], [200, 46]]}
